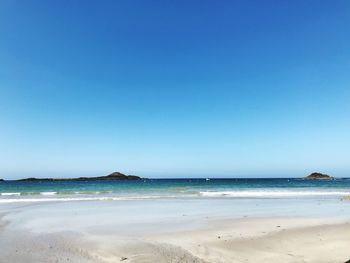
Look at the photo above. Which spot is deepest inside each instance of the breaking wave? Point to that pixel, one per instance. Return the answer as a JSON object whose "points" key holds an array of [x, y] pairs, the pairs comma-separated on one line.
{"points": [[272, 194]]}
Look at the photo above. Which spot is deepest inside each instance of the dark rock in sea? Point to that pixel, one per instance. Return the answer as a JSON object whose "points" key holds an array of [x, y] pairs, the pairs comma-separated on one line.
{"points": [[111, 177], [319, 176], [1, 180]]}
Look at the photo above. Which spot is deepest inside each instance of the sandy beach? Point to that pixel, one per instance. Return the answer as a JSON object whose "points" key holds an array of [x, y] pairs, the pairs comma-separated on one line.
{"points": [[29, 235]]}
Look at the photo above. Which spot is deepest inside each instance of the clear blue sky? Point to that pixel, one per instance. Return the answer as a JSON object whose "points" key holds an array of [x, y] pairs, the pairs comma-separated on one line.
{"points": [[174, 88]]}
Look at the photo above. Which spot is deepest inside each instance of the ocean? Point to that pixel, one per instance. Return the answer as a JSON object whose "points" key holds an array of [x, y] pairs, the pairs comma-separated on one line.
{"points": [[238, 188]]}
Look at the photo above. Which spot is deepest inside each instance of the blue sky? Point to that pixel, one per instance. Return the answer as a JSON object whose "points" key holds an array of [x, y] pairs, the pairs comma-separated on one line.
{"points": [[174, 88]]}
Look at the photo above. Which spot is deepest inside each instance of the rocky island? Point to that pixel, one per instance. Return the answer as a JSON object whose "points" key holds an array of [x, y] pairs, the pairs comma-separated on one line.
{"points": [[116, 176], [319, 176]]}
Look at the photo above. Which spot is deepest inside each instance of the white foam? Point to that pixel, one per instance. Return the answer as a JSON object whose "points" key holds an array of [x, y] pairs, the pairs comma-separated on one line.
{"points": [[258, 194], [23, 200], [53, 197], [10, 194], [73, 199], [48, 193]]}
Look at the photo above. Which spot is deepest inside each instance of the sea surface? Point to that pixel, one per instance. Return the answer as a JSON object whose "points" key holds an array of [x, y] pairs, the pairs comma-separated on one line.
{"points": [[274, 188]]}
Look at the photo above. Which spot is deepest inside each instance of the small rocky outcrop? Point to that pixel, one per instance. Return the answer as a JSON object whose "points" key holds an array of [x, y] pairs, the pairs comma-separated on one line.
{"points": [[112, 176], [319, 176]]}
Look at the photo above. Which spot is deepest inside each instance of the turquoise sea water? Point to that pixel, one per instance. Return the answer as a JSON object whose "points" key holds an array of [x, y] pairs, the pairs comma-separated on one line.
{"points": [[13, 191]]}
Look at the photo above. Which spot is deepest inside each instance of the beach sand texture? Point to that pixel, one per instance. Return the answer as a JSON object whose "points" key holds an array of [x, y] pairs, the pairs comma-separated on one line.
{"points": [[264, 239]]}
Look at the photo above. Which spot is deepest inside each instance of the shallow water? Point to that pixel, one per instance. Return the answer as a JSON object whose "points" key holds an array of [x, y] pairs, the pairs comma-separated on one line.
{"points": [[13, 191]]}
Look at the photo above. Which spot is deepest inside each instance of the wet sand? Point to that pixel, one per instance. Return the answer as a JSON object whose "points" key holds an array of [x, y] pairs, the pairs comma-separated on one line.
{"points": [[247, 239]]}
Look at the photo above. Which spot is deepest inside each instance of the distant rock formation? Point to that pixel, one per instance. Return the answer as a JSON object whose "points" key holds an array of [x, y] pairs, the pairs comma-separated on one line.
{"points": [[319, 176], [1, 180], [111, 177]]}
